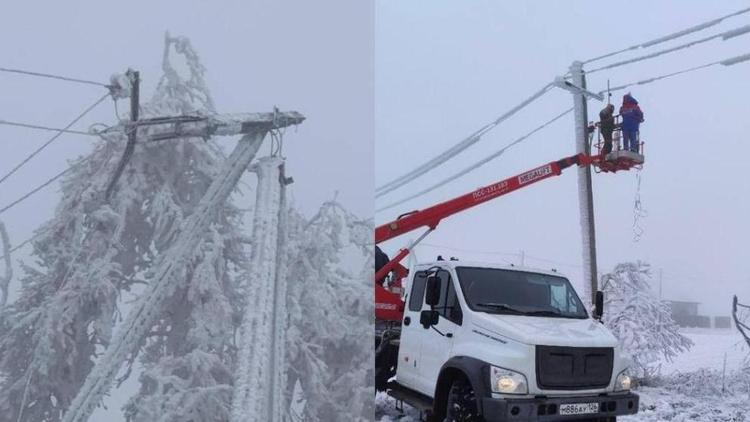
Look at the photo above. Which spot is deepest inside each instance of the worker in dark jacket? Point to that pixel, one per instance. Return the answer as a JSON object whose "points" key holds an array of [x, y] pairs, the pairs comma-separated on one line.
{"points": [[607, 126], [632, 116]]}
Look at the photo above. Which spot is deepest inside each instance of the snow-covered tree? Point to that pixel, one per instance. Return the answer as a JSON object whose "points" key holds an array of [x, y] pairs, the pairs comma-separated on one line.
{"points": [[329, 352], [641, 321], [90, 252], [5, 259]]}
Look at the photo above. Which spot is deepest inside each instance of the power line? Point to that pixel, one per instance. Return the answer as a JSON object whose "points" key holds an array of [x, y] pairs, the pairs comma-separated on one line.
{"points": [[457, 148], [20, 245], [727, 62], [724, 35], [476, 165], [38, 150], [675, 35], [51, 76], [38, 188], [51, 129]]}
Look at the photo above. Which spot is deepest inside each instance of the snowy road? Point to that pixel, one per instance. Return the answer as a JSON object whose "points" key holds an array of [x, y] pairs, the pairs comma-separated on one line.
{"points": [[691, 391]]}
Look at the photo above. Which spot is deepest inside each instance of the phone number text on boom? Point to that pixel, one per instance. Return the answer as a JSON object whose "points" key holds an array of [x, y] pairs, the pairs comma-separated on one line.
{"points": [[495, 189]]}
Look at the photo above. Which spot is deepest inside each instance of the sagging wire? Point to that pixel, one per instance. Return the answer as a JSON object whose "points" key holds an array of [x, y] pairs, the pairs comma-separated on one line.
{"points": [[638, 211]]}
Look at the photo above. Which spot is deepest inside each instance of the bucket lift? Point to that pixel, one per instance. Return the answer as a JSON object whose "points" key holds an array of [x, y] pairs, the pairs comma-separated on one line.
{"points": [[389, 305], [618, 159]]}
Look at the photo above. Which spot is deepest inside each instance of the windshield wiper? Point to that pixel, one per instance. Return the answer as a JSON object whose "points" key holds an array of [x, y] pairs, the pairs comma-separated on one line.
{"points": [[502, 307], [545, 313], [554, 313]]}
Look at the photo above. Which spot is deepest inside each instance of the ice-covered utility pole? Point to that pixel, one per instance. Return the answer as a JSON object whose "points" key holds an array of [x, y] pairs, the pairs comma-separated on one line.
{"points": [[257, 391], [585, 194], [166, 276]]}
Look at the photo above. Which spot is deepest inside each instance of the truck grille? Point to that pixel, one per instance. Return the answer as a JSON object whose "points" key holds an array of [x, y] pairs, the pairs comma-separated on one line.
{"points": [[573, 368]]}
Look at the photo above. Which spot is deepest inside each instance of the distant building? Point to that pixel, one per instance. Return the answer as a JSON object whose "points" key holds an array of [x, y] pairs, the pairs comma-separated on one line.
{"points": [[722, 322], [685, 314]]}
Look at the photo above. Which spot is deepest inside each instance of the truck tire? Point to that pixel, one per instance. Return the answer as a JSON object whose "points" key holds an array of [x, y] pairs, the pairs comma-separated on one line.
{"points": [[462, 403]]}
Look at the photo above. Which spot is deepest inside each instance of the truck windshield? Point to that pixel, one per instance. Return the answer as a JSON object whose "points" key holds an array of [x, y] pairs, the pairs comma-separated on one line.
{"points": [[519, 293]]}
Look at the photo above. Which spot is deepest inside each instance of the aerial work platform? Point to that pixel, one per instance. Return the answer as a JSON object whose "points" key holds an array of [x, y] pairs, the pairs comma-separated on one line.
{"points": [[620, 160]]}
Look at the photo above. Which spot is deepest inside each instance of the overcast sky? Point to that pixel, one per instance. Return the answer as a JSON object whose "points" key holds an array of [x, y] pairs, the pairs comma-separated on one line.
{"points": [[313, 57], [445, 68]]}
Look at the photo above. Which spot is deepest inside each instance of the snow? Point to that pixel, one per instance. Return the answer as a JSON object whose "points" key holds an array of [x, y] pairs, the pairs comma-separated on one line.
{"points": [[165, 279], [457, 148], [690, 389]]}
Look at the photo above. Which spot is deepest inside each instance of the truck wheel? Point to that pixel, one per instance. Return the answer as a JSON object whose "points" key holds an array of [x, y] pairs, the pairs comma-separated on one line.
{"points": [[462, 403]]}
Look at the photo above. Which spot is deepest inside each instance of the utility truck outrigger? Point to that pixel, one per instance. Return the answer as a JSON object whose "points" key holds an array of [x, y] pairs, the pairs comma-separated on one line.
{"points": [[482, 342]]}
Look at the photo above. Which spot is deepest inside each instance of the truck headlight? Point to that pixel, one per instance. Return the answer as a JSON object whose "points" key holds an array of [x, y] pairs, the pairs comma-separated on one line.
{"points": [[506, 381], [623, 382]]}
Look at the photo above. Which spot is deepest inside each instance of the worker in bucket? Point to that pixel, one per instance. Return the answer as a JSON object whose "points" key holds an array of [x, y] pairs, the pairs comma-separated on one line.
{"points": [[632, 116], [607, 126]]}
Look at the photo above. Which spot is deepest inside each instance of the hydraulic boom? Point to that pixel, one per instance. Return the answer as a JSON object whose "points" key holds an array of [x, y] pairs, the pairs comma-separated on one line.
{"points": [[388, 303]]}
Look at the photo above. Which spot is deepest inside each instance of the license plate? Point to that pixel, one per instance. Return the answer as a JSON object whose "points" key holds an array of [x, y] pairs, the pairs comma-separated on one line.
{"points": [[579, 408]]}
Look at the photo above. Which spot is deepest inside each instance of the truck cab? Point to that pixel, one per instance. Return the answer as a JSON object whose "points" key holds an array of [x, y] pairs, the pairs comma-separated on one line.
{"points": [[488, 342]]}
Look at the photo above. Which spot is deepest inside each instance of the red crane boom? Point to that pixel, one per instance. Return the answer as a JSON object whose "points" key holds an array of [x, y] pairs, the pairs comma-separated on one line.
{"points": [[388, 304]]}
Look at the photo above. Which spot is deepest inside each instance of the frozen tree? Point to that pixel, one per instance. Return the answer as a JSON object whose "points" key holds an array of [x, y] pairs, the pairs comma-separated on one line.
{"points": [[90, 252], [5, 258], [329, 352], [641, 322]]}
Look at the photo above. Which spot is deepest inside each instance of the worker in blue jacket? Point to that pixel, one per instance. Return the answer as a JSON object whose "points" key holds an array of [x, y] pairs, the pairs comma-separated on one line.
{"points": [[632, 116]]}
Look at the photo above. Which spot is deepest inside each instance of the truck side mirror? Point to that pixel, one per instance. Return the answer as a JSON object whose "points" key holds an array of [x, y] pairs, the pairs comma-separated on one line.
{"points": [[599, 305], [429, 318], [432, 295]]}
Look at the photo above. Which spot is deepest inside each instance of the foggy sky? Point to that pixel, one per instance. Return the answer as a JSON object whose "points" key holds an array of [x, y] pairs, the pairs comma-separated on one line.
{"points": [[444, 69]]}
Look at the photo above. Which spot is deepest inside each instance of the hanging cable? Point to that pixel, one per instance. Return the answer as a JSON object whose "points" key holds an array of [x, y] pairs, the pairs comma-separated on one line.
{"points": [[724, 35], [47, 75], [639, 212], [476, 165], [51, 129], [457, 148], [46, 144], [675, 35]]}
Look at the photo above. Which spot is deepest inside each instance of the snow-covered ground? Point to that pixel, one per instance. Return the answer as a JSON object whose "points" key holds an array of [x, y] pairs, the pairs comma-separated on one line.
{"points": [[691, 388]]}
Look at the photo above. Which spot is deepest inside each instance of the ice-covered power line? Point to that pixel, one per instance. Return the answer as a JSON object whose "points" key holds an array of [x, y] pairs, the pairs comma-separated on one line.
{"points": [[51, 76], [19, 246], [40, 187], [457, 148], [476, 165], [724, 35], [57, 135], [726, 62], [675, 35], [47, 128]]}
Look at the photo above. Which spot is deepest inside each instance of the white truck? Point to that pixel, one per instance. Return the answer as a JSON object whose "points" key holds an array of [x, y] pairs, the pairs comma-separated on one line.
{"points": [[480, 342], [483, 342]]}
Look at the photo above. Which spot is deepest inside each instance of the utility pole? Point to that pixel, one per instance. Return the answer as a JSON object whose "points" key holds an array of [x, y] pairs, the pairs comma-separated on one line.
{"points": [[134, 78], [523, 257], [256, 396], [585, 194]]}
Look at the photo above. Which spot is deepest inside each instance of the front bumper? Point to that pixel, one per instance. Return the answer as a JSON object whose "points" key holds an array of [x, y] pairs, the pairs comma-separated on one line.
{"points": [[546, 409]]}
